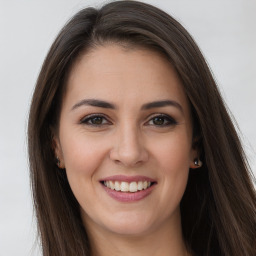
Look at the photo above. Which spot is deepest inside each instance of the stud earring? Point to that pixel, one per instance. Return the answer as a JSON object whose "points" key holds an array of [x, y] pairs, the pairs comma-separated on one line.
{"points": [[198, 162]]}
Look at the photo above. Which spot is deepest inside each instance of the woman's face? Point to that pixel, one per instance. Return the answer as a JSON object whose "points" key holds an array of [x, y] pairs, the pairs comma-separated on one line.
{"points": [[125, 139]]}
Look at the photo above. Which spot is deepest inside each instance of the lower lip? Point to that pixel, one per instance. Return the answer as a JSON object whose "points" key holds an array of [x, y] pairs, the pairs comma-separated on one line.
{"points": [[128, 196]]}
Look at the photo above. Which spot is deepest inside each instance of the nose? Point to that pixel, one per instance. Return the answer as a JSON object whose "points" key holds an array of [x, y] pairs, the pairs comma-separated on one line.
{"points": [[128, 147]]}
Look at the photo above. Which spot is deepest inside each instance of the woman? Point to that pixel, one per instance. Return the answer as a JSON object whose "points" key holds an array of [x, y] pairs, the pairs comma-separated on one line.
{"points": [[131, 149]]}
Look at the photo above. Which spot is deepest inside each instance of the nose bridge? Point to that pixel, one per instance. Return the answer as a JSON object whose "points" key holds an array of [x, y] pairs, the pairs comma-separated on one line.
{"points": [[129, 148]]}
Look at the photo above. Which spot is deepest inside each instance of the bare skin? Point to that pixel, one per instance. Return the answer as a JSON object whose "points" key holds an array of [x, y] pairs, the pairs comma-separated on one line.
{"points": [[125, 113]]}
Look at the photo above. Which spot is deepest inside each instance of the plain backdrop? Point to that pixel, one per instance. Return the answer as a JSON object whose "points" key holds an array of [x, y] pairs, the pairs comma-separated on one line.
{"points": [[224, 30]]}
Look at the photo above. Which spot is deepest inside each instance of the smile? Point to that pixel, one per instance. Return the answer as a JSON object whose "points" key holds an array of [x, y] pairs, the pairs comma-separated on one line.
{"points": [[128, 188], [125, 186]]}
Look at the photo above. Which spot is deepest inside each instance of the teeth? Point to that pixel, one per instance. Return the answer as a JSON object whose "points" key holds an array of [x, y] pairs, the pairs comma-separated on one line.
{"points": [[133, 187], [112, 185], [126, 186], [117, 186], [140, 185]]}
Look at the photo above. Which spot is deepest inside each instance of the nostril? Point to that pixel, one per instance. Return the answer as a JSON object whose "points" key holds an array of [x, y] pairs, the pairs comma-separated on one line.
{"points": [[128, 153]]}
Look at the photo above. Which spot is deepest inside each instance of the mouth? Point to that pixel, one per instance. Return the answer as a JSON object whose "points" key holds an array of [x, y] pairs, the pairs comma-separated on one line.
{"points": [[125, 186], [128, 188]]}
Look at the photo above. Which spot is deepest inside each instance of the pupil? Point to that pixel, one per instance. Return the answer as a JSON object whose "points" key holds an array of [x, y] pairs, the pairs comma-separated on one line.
{"points": [[158, 120], [97, 120]]}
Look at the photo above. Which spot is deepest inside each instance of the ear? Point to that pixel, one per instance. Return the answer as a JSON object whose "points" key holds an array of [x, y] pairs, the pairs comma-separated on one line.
{"points": [[56, 146], [195, 161]]}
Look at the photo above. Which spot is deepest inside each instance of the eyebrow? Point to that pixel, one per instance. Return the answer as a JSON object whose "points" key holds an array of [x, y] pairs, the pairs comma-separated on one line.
{"points": [[94, 103], [162, 103], [147, 106]]}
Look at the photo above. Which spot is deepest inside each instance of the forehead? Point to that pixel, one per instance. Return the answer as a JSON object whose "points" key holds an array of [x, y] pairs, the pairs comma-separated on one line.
{"points": [[123, 74]]}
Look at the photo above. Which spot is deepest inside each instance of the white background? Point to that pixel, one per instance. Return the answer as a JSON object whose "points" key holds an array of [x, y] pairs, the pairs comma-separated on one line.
{"points": [[224, 29]]}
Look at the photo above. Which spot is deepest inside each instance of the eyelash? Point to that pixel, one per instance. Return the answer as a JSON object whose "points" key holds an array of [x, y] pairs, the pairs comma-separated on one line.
{"points": [[88, 120], [167, 120]]}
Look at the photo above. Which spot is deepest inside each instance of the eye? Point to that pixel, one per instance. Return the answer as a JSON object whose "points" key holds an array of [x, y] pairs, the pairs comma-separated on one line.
{"points": [[162, 120], [95, 120]]}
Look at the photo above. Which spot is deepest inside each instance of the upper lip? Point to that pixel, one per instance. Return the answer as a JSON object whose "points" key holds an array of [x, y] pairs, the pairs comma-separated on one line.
{"points": [[128, 178]]}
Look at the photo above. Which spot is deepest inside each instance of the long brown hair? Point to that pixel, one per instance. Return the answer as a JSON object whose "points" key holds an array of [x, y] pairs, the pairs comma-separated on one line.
{"points": [[218, 207]]}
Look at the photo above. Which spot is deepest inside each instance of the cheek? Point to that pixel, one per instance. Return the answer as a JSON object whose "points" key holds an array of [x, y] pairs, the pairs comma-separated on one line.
{"points": [[173, 153], [173, 159], [174, 164], [82, 157]]}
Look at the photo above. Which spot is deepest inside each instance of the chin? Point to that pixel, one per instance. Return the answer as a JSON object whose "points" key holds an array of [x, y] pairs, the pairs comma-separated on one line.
{"points": [[129, 230], [130, 224]]}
